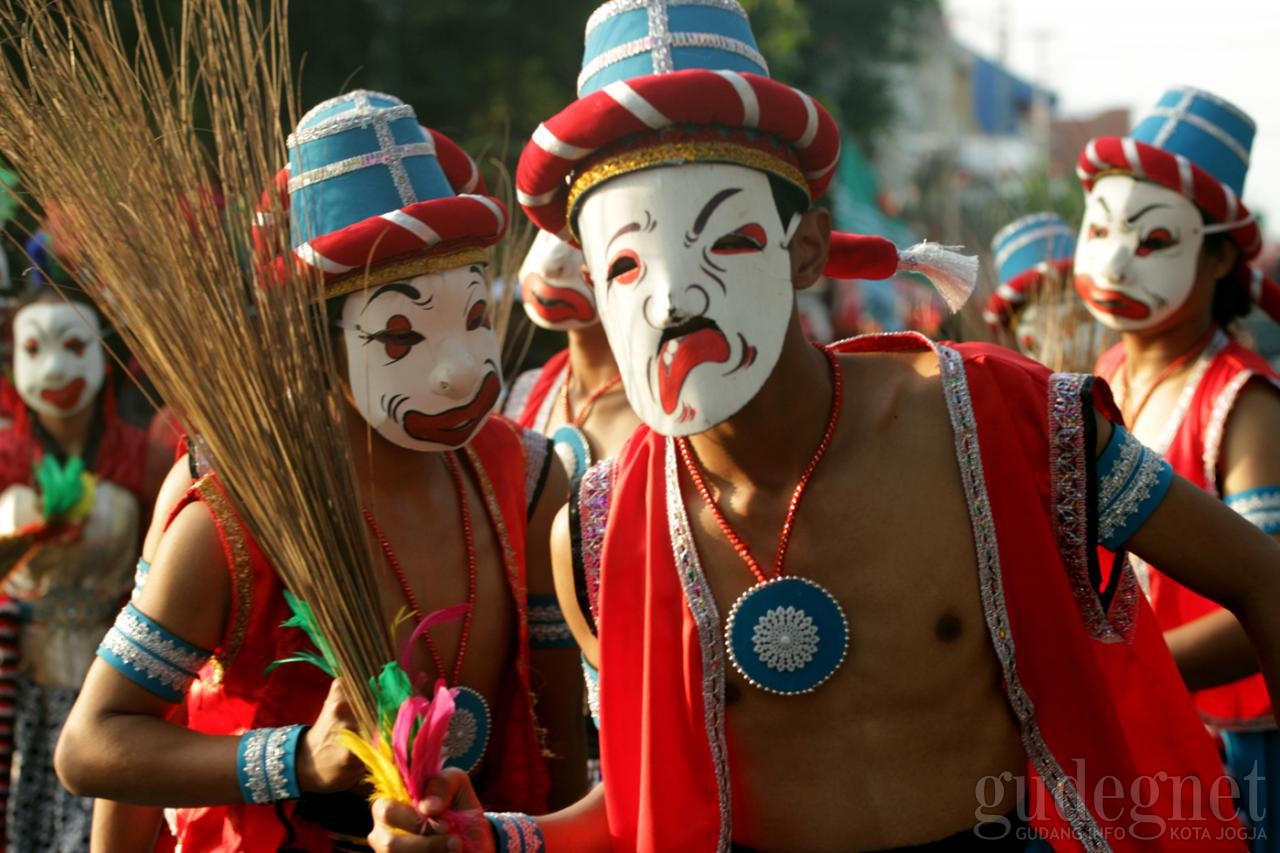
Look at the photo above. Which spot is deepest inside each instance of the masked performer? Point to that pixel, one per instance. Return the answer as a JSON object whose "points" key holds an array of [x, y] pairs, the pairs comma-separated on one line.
{"points": [[1162, 260], [786, 662], [395, 219], [576, 396], [72, 471], [1034, 305]]}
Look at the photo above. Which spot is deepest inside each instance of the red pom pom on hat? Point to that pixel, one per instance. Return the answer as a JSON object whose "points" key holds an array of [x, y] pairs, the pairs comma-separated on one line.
{"points": [[860, 256]]}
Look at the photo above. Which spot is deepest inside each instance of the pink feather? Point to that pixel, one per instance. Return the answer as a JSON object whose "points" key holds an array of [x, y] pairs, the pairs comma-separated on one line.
{"points": [[436, 617]]}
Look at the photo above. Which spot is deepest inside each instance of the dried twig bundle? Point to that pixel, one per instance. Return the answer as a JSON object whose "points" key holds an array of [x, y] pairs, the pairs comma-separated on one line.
{"points": [[113, 137]]}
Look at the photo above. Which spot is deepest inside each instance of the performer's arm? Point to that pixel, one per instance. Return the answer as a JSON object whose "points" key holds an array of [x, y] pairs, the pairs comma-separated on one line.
{"points": [[1214, 649], [116, 743], [582, 827], [122, 828], [553, 654], [1203, 544]]}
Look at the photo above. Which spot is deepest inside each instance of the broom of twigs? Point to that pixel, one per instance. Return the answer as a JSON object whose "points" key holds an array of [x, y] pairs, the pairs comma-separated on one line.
{"points": [[109, 134]]}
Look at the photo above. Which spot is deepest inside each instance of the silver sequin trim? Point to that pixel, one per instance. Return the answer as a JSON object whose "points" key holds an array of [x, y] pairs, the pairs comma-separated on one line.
{"points": [[547, 626], [661, 48], [513, 405], [618, 7], [1069, 488], [592, 679], [707, 618], [1132, 480], [390, 157], [536, 447], [594, 497], [275, 765], [1214, 432], [349, 120], [1188, 394], [157, 670], [254, 771], [1065, 793], [543, 419]]}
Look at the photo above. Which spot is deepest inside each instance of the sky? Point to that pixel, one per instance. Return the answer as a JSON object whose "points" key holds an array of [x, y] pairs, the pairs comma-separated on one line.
{"points": [[1099, 54]]}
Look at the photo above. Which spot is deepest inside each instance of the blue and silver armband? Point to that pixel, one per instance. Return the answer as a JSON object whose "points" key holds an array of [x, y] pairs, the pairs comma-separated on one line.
{"points": [[140, 576], [1260, 507], [547, 628], [514, 832], [150, 656], [1132, 481], [267, 766]]}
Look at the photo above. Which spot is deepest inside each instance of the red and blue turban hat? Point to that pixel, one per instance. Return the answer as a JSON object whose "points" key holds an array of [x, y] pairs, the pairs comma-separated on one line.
{"points": [[373, 196], [1198, 145], [667, 82], [1025, 250]]}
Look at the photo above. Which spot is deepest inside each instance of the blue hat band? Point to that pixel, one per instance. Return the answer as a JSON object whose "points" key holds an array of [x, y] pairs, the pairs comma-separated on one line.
{"points": [[1209, 132], [639, 39]]}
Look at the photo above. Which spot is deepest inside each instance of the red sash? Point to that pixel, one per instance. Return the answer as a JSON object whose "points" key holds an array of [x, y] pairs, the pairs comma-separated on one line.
{"points": [[1193, 453], [235, 693], [1094, 690]]}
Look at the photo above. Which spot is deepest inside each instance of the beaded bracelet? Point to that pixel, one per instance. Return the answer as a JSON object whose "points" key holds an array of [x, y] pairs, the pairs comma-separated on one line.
{"points": [[266, 764], [514, 832]]}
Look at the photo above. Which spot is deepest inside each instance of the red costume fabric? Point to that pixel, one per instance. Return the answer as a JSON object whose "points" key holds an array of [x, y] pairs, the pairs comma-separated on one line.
{"points": [[1086, 673], [1199, 424], [533, 408], [236, 693]]}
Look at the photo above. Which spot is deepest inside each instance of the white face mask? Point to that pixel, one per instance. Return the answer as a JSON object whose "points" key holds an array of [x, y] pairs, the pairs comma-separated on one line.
{"points": [[554, 293], [1136, 259], [422, 358], [58, 363], [693, 280]]}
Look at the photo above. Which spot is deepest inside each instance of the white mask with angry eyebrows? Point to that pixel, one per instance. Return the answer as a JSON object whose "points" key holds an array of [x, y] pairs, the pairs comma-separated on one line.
{"points": [[58, 362], [693, 281]]}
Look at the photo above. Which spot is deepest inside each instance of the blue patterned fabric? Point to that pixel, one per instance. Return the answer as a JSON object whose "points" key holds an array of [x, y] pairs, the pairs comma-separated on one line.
{"points": [[1029, 242], [1260, 507], [150, 656], [547, 628], [140, 576], [635, 38], [356, 157], [1210, 132], [1132, 481], [267, 766], [514, 832], [591, 676]]}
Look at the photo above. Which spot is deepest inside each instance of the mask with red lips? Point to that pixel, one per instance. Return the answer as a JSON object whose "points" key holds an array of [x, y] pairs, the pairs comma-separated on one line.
{"points": [[1135, 262], [554, 293], [693, 281], [58, 363], [422, 358]]}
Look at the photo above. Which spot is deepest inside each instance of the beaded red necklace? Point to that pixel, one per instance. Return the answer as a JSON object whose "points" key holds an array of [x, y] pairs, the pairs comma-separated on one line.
{"points": [[1131, 417], [584, 411], [468, 535], [784, 536]]}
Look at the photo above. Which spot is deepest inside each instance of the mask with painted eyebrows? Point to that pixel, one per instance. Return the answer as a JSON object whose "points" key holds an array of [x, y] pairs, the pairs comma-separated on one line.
{"points": [[552, 288], [1135, 262], [693, 281], [58, 363], [422, 358]]}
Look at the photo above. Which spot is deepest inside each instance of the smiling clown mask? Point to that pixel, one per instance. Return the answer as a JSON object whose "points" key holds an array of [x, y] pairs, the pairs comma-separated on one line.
{"points": [[693, 279], [58, 362], [552, 288], [1136, 260], [422, 358]]}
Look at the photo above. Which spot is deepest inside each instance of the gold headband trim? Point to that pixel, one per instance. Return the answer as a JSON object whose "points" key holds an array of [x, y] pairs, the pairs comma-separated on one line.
{"points": [[378, 276], [676, 153]]}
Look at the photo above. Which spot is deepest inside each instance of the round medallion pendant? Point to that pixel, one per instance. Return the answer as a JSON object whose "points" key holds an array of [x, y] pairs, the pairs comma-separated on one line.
{"points": [[574, 451], [787, 635], [468, 733]]}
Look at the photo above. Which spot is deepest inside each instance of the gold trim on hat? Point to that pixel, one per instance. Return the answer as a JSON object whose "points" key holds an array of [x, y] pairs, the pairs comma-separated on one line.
{"points": [[378, 276], [678, 153]]}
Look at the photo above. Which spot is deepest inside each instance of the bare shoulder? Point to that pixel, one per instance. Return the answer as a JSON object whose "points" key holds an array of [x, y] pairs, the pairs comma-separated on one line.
{"points": [[895, 390], [188, 588], [1250, 455]]}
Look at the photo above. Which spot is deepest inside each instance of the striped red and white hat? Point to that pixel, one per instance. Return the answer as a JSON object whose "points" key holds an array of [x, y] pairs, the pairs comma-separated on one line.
{"points": [[372, 196], [666, 82], [1196, 144]]}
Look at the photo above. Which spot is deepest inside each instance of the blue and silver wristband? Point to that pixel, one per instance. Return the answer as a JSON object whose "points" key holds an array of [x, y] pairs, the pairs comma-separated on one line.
{"points": [[1132, 482], [1260, 507], [267, 765], [514, 832]]}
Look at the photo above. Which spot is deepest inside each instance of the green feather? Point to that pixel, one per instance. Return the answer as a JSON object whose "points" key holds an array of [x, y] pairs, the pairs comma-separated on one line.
{"points": [[61, 486], [304, 618], [391, 688]]}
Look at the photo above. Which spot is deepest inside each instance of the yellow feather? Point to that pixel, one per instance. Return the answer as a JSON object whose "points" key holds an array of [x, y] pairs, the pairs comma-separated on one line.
{"points": [[383, 773]]}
